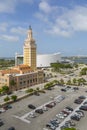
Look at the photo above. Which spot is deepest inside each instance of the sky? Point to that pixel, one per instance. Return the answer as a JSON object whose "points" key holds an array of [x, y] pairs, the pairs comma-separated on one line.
{"points": [[58, 26]]}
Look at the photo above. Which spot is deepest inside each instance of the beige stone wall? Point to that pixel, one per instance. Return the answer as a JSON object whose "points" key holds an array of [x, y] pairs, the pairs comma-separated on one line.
{"points": [[22, 80], [4, 80]]}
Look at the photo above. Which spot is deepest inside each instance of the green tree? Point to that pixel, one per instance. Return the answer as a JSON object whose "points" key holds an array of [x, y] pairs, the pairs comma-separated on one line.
{"points": [[83, 71], [5, 89], [29, 90], [0, 91], [55, 82], [69, 129], [69, 82], [14, 97], [48, 85], [81, 81], [6, 99], [74, 80], [61, 81], [37, 88]]}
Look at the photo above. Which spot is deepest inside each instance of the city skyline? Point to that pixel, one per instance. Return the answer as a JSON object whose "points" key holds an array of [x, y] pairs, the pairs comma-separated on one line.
{"points": [[58, 26]]}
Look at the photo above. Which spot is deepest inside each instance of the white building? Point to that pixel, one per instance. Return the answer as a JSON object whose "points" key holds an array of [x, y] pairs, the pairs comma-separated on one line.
{"points": [[43, 60]]}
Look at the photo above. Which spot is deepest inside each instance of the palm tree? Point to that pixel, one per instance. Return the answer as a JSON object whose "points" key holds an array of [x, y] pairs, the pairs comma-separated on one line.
{"points": [[29, 90], [61, 81], [5, 89], [81, 81], [14, 97], [74, 80], [38, 89], [6, 99], [69, 82]]}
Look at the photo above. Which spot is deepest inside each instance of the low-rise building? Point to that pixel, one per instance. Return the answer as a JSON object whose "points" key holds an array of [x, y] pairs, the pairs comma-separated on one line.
{"points": [[20, 77]]}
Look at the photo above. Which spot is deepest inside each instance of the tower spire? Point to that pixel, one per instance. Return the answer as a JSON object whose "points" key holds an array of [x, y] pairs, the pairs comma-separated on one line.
{"points": [[30, 27], [30, 36]]}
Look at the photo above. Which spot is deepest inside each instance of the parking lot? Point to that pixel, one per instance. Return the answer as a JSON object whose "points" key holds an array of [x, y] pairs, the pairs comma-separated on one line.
{"points": [[20, 111]]}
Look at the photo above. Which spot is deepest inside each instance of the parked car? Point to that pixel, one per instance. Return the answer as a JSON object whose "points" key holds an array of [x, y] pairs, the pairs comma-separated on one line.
{"points": [[36, 93], [81, 97], [49, 125], [1, 123], [60, 116], [53, 103], [78, 101], [85, 103], [56, 120], [80, 112], [2, 110], [66, 111], [32, 115], [69, 108], [40, 111], [45, 129], [84, 107], [64, 126], [64, 90], [11, 128], [31, 106], [71, 123], [49, 105], [44, 108], [76, 88], [7, 106], [54, 123], [68, 86], [75, 117]]}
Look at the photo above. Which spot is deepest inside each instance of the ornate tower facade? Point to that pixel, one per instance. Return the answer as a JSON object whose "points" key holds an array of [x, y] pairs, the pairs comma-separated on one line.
{"points": [[29, 50]]}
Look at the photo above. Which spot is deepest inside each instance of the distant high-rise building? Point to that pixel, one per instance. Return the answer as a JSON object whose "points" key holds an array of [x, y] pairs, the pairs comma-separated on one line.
{"points": [[29, 50]]}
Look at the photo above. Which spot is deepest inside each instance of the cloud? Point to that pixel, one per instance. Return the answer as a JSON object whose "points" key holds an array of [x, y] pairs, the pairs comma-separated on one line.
{"points": [[18, 30], [27, 1], [9, 6], [63, 21], [3, 27], [46, 8], [9, 38]]}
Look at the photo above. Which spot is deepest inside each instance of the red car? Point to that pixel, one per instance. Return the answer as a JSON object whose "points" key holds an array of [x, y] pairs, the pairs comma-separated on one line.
{"points": [[49, 105]]}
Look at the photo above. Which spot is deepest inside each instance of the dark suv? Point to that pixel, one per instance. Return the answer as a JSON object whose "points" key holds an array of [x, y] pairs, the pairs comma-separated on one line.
{"points": [[11, 128], [1, 123], [31, 106], [75, 117], [40, 111], [7, 106]]}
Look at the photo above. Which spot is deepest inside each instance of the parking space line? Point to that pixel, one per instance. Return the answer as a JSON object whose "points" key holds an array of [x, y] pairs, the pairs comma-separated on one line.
{"points": [[23, 118]]}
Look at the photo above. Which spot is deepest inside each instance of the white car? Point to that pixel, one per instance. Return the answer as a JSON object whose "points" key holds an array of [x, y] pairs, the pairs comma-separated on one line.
{"points": [[44, 108], [60, 116], [2, 110], [45, 129], [32, 115]]}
